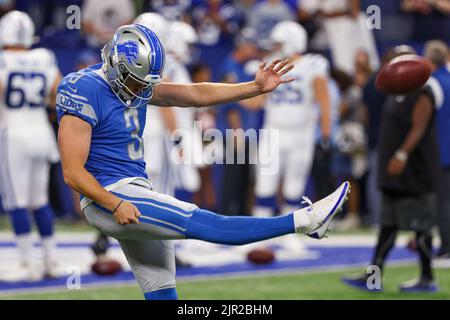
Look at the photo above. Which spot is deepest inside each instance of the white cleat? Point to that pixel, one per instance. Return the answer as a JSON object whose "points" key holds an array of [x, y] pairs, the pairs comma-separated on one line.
{"points": [[322, 212], [29, 272], [51, 270]]}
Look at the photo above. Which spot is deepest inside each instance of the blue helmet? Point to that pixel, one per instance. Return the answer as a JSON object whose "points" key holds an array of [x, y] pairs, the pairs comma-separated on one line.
{"points": [[133, 62]]}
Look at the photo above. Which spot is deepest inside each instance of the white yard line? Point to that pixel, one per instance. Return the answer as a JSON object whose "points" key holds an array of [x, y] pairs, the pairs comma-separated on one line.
{"points": [[203, 278], [334, 240]]}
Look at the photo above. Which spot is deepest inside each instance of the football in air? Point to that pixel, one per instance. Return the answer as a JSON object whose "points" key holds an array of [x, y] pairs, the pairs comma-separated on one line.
{"points": [[403, 74]]}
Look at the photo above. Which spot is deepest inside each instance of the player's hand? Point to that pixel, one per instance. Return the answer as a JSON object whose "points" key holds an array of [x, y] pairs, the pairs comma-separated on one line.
{"points": [[396, 166], [323, 149], [126, 213], [325, 144], [268, 77]]}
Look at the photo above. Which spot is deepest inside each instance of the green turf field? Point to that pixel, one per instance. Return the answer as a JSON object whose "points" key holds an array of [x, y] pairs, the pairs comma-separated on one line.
{"points": [[323, 285]]}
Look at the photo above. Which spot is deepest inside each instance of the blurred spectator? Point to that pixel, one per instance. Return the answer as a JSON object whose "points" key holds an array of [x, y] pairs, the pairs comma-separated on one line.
{"points": [[426, 7], [266, 14], [408, 164], [214, 18], [6, 6], [206, 196], [373, 102], [245, 8], [86, 59], [437, 53], [340, 19], [100, 18], [201, 73], [186, 176], [235, 183], [172, 10], [431, 18], [321, 169], [350, 158], [363, 71], [232, 69]]}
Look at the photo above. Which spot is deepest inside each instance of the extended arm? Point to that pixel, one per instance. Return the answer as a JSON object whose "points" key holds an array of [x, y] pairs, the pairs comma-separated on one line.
{"points": [[74, 138], [206, 94]]}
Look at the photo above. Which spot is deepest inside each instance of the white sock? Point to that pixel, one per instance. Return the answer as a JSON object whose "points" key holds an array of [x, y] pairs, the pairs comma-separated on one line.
{"points": [[301, 220], [25, 248], [49, 249], [286, 209], [262, 212]]}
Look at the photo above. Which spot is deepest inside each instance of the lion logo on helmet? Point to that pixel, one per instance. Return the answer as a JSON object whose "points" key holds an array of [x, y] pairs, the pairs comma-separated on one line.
{"points": [[129, 49]]}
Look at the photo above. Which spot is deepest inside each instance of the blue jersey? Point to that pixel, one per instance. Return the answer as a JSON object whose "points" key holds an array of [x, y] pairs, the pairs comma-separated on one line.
{"points": [[439, 83], [116, 150]]}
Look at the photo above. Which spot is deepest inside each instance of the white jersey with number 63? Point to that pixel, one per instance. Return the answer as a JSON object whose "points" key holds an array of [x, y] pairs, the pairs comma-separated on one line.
{"points": [[26, 78]]}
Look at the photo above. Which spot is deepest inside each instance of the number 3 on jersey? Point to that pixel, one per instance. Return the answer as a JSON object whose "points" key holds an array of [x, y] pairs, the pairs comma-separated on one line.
{"points": [[135, 148]]}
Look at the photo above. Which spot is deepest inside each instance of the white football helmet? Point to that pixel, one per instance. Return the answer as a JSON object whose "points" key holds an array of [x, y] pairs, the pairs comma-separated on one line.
{"points": [[181, 37], [16, 29], [291, 36], [155, 22]]}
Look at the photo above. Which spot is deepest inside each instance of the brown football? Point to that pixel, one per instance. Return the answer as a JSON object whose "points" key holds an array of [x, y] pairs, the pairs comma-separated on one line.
{"points": [[261, 256], [403, 74], [106, 267]]}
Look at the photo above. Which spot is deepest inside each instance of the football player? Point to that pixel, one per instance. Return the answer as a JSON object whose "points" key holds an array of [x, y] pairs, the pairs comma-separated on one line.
{"points": [[101, 111], [293, 110], [28, 79]]}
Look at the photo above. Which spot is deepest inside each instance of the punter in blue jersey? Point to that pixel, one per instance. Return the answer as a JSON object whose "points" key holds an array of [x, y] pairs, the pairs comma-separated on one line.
{"points": [[101, 112]]}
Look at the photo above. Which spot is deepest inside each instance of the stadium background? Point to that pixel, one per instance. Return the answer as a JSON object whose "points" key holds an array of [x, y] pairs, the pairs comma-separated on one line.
{"points": [[295, 277]]}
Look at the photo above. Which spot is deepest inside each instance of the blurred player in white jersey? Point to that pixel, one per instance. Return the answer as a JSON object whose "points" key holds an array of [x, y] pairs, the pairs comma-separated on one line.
{"points": [[28, 81], [294, 111], [157, 143], [186, 176], [180, 179]]}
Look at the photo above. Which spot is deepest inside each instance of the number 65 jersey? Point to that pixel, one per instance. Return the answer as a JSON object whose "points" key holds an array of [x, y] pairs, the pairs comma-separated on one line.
{"points": [[293, 105], [116, 150]]}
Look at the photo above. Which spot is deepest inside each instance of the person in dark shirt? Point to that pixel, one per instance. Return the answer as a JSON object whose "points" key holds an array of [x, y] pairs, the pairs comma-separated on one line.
{"points": [[408, 160], [374, 101], [237, 176]]}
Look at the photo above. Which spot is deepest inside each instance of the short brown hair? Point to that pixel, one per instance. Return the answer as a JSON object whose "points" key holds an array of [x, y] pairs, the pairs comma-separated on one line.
{"points": [[436, 51]]}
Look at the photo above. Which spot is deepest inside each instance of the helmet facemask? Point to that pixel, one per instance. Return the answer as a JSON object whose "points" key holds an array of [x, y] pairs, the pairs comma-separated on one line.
{"points": [[129, 87]]}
